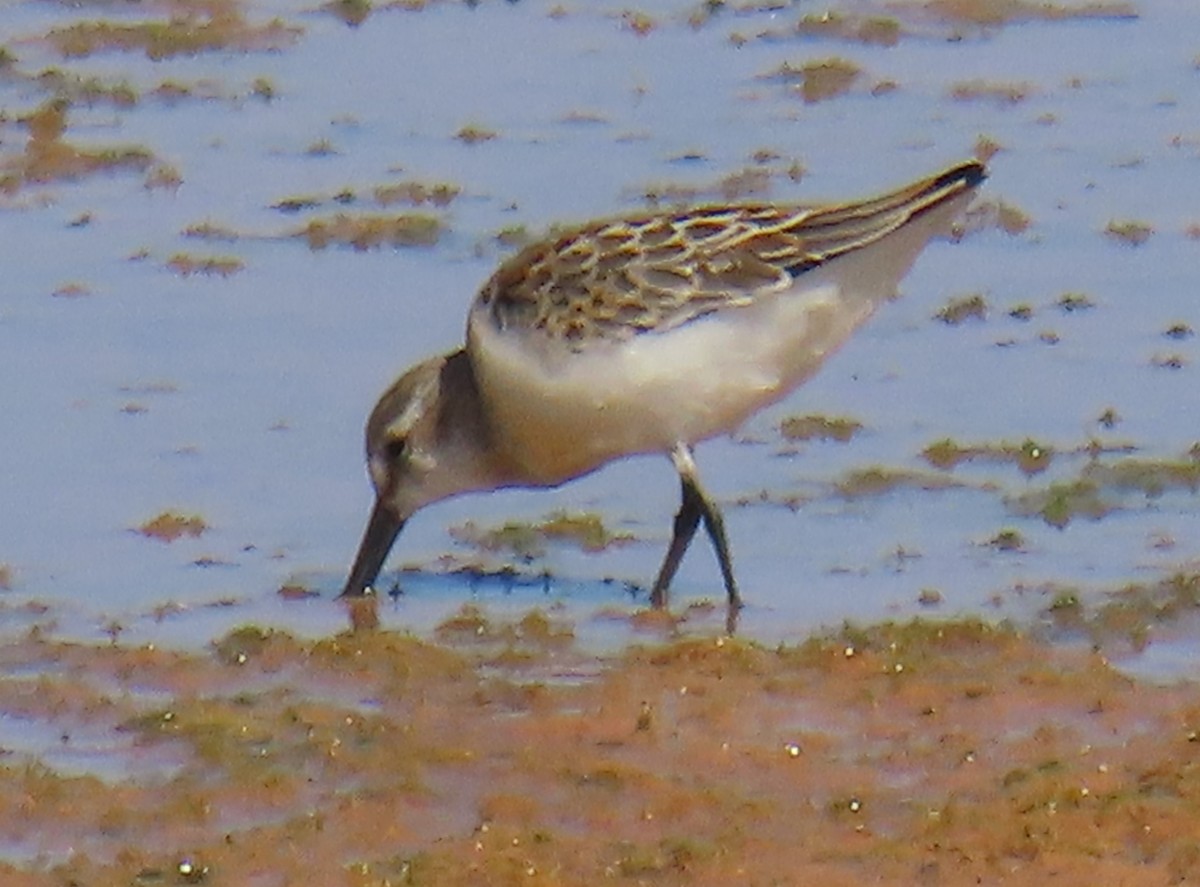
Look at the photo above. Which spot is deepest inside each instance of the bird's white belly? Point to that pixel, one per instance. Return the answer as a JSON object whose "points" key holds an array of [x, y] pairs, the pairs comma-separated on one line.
{"points": [[557, 414]]}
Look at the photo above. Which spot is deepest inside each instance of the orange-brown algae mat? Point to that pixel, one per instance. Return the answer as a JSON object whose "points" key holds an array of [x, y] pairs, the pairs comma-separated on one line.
{"points": [[918, 753]]}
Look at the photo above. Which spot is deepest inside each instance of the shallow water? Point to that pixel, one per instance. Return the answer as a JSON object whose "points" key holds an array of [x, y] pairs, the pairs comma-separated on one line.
{"points": [[241, 398]]}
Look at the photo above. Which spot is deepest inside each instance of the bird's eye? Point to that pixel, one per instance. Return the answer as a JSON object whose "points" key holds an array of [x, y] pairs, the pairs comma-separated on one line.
{"points": [[395, 448]]}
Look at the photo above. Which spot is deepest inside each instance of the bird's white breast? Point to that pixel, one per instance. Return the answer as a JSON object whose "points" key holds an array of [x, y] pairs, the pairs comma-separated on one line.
{"points": [[559, 413]]}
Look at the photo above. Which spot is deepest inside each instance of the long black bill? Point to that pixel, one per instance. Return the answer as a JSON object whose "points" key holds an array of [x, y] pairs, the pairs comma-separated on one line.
{"points": [[382, 530]]}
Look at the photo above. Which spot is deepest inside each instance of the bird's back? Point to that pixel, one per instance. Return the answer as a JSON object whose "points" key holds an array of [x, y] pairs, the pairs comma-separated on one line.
{"points": [[634, 334]]}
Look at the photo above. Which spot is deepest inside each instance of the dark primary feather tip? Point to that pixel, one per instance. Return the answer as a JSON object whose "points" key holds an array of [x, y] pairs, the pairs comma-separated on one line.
{"points": [[970, 173]]}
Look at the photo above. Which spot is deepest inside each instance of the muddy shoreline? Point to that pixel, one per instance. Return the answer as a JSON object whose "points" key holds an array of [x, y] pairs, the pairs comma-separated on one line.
{"points": [[925, 752]]}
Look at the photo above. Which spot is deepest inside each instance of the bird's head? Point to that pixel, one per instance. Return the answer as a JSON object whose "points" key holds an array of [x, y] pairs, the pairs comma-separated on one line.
{"points": [[426, 441]]}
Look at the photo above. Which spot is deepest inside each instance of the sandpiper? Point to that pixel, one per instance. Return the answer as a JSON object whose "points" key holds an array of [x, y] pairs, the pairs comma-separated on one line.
{"points": [[643, 334]]}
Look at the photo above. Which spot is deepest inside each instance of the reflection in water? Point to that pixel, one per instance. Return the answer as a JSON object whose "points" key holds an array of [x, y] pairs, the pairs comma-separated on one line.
{"points": [[363, 612]]}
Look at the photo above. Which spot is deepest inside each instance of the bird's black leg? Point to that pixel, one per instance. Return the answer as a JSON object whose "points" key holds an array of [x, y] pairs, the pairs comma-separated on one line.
{"points": [[695, 505], [686, 522]]}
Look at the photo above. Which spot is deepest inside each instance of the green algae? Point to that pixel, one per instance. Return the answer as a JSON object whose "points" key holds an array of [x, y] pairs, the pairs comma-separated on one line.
{"points": [[812, 427], [528, 540]]}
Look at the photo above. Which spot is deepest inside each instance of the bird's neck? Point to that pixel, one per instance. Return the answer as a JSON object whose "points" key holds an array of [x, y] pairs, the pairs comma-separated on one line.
{"points": [[463, 426]]}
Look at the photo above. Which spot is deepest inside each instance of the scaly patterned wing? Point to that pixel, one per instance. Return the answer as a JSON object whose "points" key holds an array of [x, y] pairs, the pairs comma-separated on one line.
{"points": [[615, 279]]}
